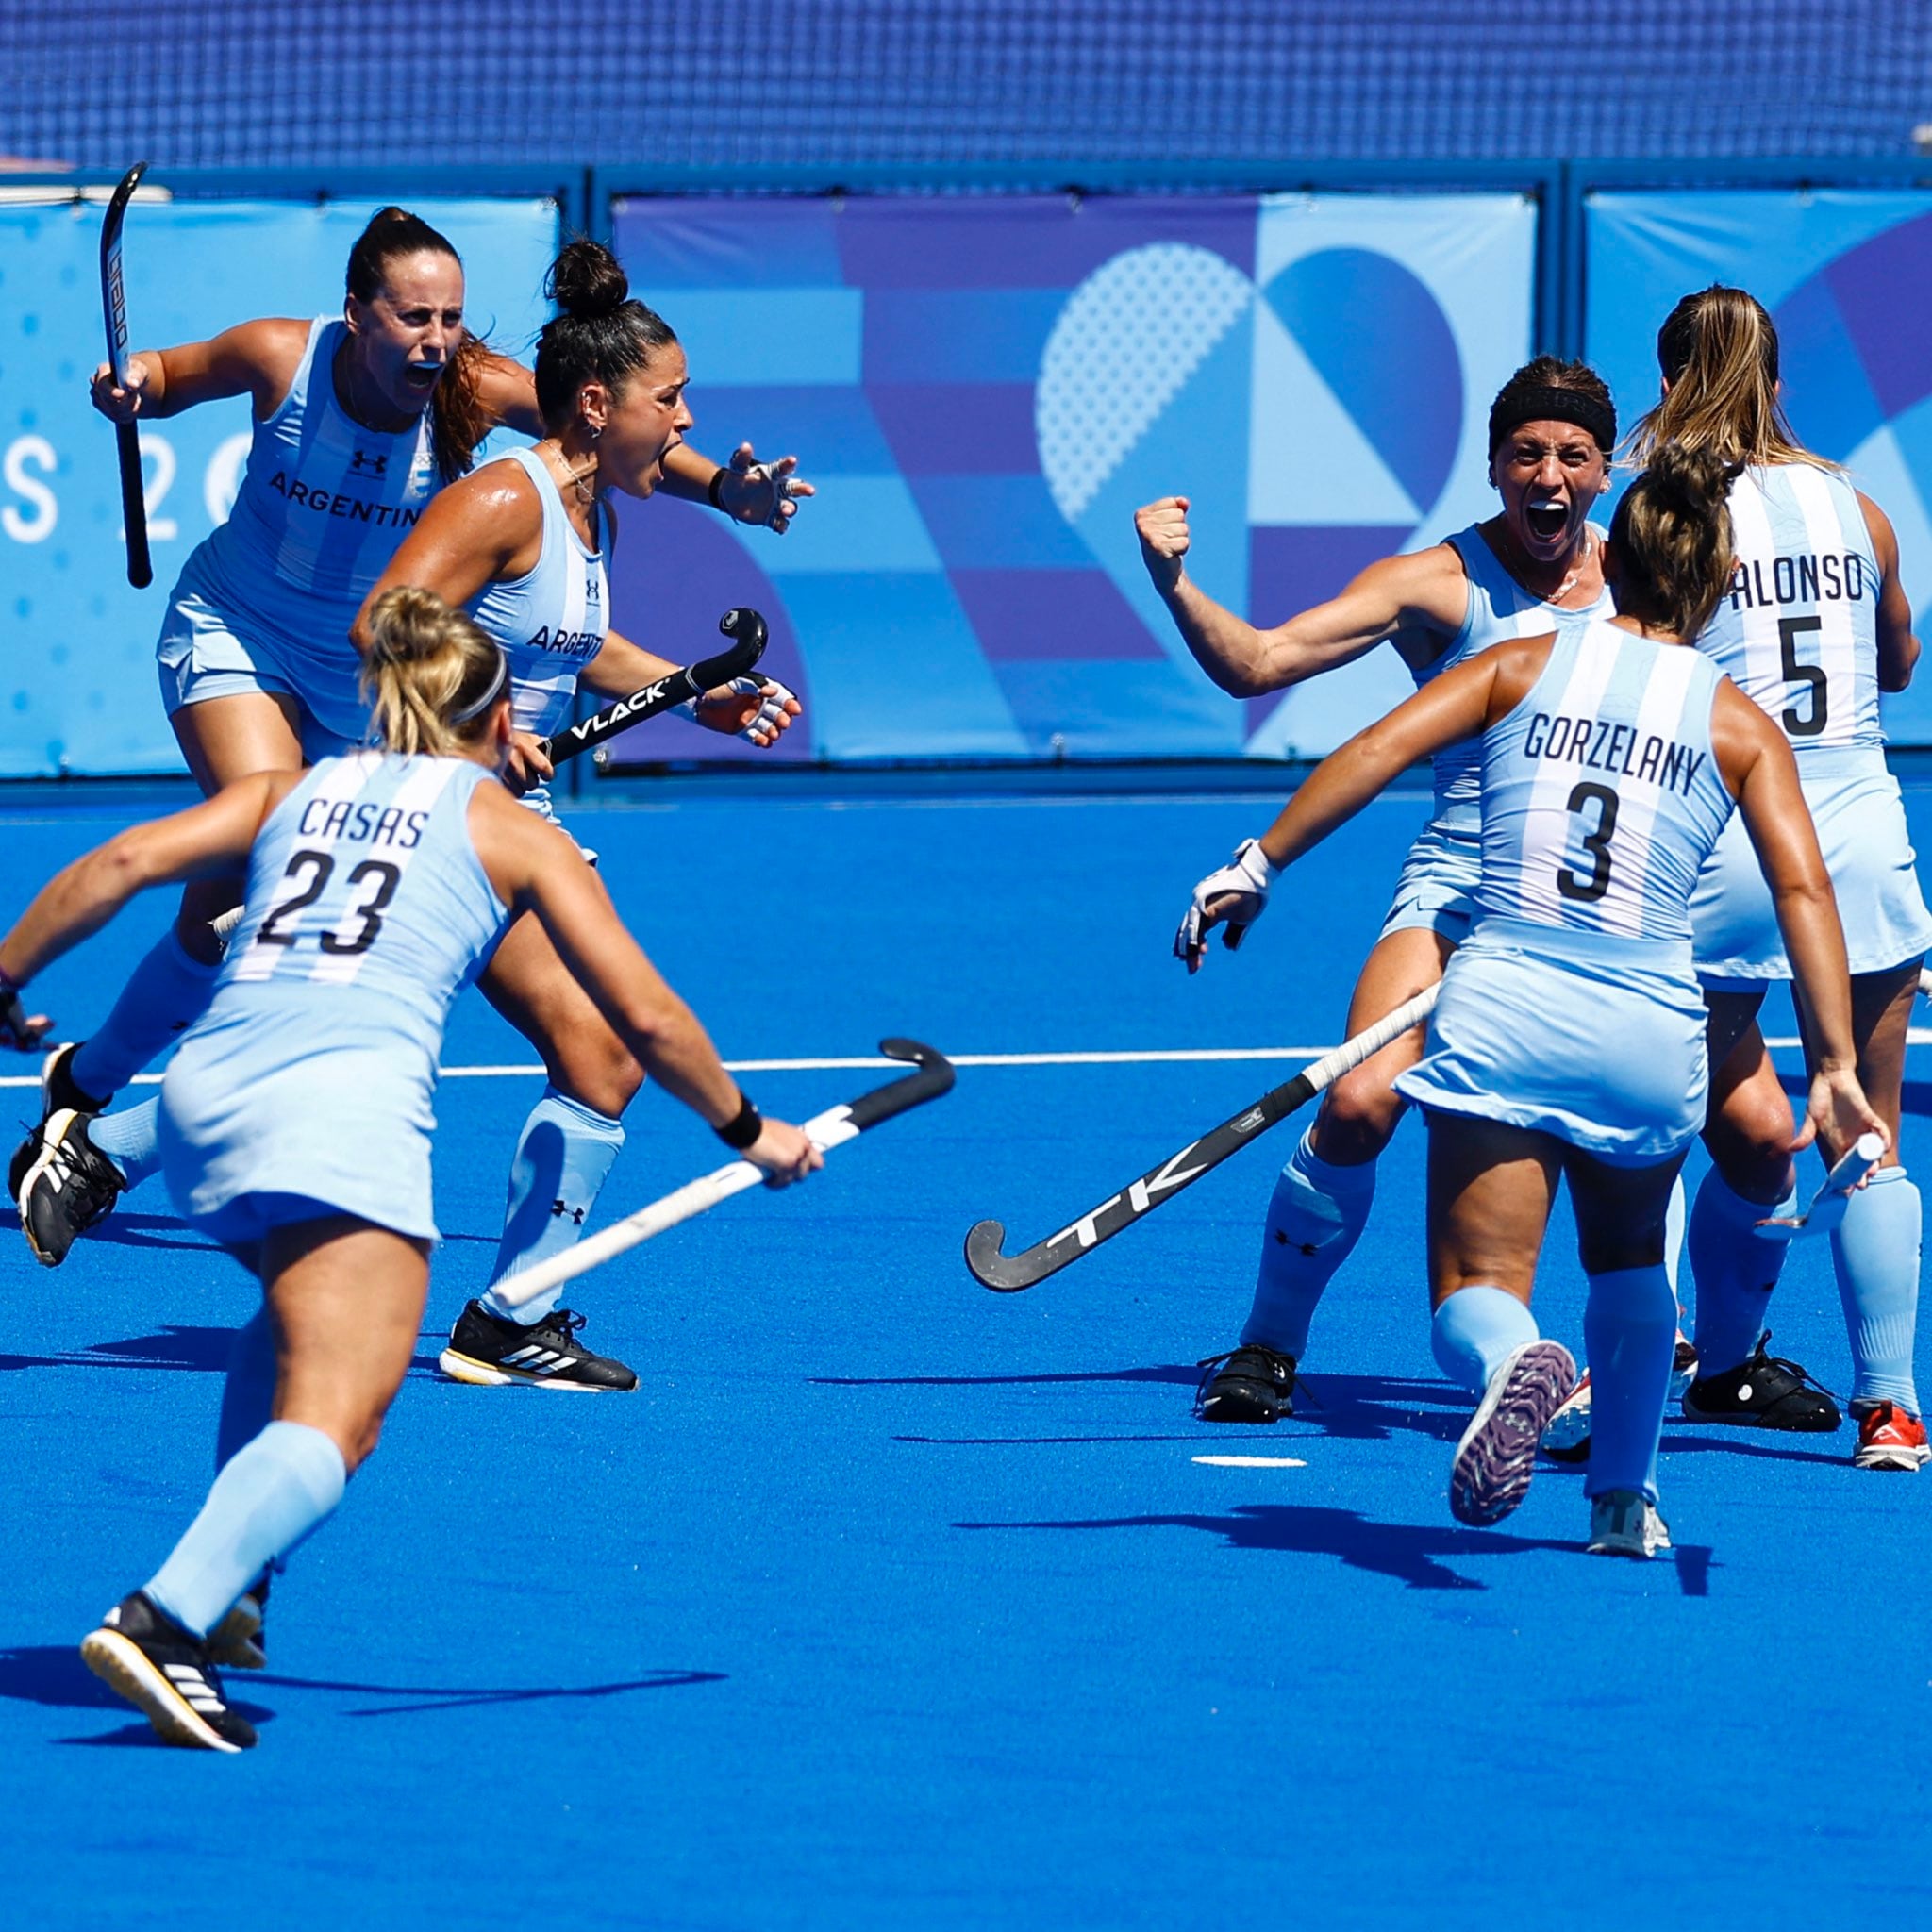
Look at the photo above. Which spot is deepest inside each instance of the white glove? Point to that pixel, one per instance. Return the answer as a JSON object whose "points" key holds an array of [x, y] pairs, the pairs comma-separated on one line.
{"points": [[763, 729], [1248, 877], [781, 495]]}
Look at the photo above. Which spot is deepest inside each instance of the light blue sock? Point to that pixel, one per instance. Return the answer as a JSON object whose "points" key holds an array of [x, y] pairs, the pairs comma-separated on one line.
{"points": [[1475, 1329], [132, 1140], [1733, 1270], [271, 1495], [1631, 1329], [168, 993], [562, 1156], [1314, 1220], [249, 1396], [1876, 1251]]}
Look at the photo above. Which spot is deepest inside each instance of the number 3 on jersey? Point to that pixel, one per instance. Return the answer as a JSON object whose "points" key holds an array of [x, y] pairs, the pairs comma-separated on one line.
{"points": [[1596, 843], [320, 867]]}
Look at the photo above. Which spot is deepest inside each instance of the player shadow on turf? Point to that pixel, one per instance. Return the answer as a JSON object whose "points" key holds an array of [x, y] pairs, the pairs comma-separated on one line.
{"points": [[1406, 1553], [54, 1676], [204, 1350]]}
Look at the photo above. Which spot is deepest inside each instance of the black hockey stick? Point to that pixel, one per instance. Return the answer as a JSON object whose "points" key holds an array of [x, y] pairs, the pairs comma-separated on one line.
{"points": [[1008, 1274], [748, 630], [141, 571], [830, 1129]]}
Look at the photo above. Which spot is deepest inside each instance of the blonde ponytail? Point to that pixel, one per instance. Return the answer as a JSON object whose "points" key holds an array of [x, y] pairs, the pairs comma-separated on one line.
{"points": [[1718, 351], [432, 676]]}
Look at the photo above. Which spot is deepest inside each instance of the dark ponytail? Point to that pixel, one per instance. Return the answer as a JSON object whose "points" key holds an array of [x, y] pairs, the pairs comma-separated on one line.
{"points": [[457, 418], [1671, 535], [603, 335]]}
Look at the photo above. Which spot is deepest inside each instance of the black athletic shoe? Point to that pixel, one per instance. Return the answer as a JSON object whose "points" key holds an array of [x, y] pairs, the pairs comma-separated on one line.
{"points": [[58, 1094], [1252, 1384], [239, 1640], [70, 1186], [1768, 1392], [485, 1349], [145, 1656]]}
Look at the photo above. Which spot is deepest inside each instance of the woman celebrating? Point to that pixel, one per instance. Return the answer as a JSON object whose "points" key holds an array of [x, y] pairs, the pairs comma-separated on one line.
{"points": [[1551, 428], [1814, 625], [359, 420], [1611, 761], [523, 543], [295, 1117]]}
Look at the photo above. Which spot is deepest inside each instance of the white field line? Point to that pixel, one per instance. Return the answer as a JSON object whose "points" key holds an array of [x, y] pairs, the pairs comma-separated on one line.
{"points": [[1917, 1036]]}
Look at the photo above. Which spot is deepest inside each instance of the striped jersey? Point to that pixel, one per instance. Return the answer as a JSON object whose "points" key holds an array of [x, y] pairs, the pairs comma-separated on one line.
{"points": [[366, 900], [1798, 631], [1498, 608], [552, 621], [322, 505], [1601, 796]]}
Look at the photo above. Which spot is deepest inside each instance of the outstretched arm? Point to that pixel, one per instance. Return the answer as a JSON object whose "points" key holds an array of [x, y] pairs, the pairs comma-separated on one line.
{"points": [[256, 360], [206, 840], [1427, 590], [1459, 703]]}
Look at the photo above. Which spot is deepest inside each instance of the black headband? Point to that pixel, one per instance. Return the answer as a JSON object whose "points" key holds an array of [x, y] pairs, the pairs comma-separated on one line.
{"points": [[478, 706], [1515, 406]]}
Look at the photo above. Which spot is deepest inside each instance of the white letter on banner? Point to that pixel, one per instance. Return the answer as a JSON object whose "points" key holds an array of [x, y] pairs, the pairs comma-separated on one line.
{"points": [[34, 529], [162, 529], [224, 477]]}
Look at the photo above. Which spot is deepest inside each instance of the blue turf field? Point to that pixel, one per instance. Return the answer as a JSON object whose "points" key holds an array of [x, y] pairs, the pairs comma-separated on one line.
{"points": [[889, 1602]]}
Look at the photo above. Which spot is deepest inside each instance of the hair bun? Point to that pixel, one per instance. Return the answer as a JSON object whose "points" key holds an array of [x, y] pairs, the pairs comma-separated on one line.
{"points": [[586, 280], [1694, 481]]}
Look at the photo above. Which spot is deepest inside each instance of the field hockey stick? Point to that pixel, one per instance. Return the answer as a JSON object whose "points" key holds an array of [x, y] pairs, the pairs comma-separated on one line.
{"points": [[748, 630], [1833, 1197], [141, 570], [830, 1129], [1008, 1273], [1926, 982]]}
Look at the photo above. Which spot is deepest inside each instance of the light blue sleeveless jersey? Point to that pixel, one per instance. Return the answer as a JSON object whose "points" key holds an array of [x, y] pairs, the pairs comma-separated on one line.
{"points": [[311, 1077], [1499, 609], [1571, 1009], [1601, 796], [1799, 631], [323, 507], [551, 622]]}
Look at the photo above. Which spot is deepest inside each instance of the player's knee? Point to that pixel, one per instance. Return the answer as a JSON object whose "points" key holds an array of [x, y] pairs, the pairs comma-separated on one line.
{"points": [[599, 1073], [1608, 1252], [1753, 1148], [1357, 1120]]}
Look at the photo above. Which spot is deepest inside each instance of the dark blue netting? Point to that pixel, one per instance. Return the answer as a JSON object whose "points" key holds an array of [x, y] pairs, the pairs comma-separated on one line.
{"points": [[325, 83]]}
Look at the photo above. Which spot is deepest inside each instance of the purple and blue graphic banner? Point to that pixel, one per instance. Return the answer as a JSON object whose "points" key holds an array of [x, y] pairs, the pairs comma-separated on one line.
{"points": [[1847, 277], [77, 686], [985, 389]]}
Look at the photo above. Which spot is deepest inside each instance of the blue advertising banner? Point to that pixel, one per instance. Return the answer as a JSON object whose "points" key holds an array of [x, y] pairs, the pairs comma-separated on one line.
{"points": [[77, 686], [985, 389], [1847, 276]]}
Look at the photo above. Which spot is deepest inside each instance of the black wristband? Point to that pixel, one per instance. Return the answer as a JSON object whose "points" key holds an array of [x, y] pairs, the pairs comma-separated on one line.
{"points": [[715, 488], [742, 1129]]}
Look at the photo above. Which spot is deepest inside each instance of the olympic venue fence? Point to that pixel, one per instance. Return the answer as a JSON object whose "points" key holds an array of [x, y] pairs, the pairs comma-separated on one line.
{"points": [[984, 372]]}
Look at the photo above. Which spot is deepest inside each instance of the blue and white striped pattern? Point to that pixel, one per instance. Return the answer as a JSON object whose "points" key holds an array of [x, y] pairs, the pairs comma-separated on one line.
{"points": [[1804, 598], [1499, 609], [553, 620], [364, 876], [323, 505], [1600, 796]]}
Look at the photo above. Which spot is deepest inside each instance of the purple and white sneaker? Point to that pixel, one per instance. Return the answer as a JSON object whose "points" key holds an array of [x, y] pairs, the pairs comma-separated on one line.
{"points": [[1496, 1457]]}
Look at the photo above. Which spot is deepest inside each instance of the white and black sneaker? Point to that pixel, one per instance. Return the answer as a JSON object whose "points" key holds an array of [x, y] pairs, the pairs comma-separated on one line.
{"points": [[59, 1095], [142, 1653], [1625, 1523], [489, 1351], [1248, 1384], [68, 1187]]}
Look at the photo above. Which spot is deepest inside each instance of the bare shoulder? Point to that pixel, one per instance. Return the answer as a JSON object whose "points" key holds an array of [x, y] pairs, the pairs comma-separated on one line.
{"points": [[1883, 538], [272, 346], [1430, 586], [516, 846], [1515, 665]]}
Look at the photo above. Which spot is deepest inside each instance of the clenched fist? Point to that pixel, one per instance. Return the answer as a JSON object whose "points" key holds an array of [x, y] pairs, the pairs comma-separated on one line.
{"points": [[1162, 528]]}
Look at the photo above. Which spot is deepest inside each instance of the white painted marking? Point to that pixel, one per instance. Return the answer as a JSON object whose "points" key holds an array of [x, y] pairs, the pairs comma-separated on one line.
{"points": [[1150, 1057], [1252, 1462]]}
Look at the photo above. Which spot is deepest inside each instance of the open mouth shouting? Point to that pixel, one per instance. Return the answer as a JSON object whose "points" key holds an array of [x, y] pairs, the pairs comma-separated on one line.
{"points": [[421, 378], [1546, 517]]}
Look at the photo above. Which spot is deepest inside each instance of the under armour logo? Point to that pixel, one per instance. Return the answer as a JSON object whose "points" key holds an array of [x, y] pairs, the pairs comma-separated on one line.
{"points": [[363, 464], [593, 591], [560, 1211]]}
